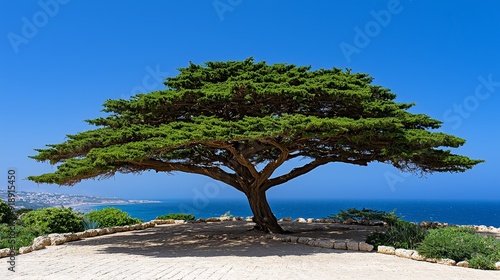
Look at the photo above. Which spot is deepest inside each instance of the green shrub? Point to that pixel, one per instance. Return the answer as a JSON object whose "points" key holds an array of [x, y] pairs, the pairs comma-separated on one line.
{"points": [[481, 261], [110, 217], [6, 214], [23, 236], [176, 216], [366, 215], [89, 223], [461, 243], [401, 234], [52, 220]]}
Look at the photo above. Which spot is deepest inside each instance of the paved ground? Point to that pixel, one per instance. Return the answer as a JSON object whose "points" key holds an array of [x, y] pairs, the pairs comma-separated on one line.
{"points": [[221, 251]]}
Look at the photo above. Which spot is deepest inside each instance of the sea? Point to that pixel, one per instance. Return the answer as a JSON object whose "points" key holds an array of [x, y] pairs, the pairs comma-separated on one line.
{"points": [[452, 212]]}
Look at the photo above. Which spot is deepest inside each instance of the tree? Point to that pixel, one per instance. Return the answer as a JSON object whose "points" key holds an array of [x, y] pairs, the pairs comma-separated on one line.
{"points": [[238, 121]]}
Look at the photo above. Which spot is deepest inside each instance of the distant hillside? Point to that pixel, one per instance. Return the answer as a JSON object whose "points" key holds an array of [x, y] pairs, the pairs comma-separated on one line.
{"points": [[42, 199]]}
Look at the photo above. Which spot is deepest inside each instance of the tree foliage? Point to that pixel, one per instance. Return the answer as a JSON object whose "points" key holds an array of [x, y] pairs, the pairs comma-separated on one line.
{"points": [[238, 121]]}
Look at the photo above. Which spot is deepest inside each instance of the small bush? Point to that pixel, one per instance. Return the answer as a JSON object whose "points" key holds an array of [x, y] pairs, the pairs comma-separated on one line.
{"points": [[176, 216], [401, 234], [89, 223], [366, 215], [461, 243], [23, 236], [52, 220], [6, 214], [110, 217], [481, 261]]}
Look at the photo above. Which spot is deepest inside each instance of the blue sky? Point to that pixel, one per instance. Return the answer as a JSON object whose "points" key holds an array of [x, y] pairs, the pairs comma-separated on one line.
{"points": [[61, 59]]}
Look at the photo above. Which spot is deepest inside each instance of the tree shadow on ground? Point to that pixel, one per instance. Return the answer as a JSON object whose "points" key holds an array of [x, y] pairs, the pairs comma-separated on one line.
{"points": [[219, 239]]}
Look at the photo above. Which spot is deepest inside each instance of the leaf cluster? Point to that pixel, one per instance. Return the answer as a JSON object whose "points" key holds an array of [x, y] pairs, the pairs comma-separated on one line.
{"points": [[110, 217]]}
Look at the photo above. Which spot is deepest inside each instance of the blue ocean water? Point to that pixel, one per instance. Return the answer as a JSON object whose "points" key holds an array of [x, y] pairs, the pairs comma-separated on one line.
{"points": [[453, 212]]}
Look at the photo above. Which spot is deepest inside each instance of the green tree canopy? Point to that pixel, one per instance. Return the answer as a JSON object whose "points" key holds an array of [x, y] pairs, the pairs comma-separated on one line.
{"points": [[238, 121]]}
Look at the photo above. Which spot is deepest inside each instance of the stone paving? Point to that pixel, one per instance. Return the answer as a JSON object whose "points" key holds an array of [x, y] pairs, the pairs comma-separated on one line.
{"points": [[217, 251]]}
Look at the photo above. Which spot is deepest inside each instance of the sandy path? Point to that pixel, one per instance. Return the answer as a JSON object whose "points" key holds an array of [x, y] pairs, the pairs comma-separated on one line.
{"points": [[220, 251]]}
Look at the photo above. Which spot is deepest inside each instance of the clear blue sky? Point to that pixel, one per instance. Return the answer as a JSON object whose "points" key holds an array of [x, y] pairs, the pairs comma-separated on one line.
{"points": [[61, 59]]}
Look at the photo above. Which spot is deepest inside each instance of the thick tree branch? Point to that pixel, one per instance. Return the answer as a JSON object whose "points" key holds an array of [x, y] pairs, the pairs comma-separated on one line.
{"points": [[271, 167], [212, 172]]}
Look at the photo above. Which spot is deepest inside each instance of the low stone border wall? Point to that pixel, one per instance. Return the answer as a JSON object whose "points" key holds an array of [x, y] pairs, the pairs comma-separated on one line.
{"points": [[414, 255], [323, 243], [55, 239]]}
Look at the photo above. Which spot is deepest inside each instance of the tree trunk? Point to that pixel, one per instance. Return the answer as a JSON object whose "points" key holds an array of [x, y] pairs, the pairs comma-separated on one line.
{"points": [[262, 214]]}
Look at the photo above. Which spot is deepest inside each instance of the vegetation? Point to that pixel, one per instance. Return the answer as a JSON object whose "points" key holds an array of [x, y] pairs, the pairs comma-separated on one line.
{"points": [[7, 215], [110, 217], [24, 236], [176, 216], [366, 215], [89, 223], [461, 243], [52, 220], [239, 121], [400, 234]]}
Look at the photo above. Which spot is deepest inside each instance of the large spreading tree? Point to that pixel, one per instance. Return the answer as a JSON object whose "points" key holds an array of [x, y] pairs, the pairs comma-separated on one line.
{"points": [[238, 121]]}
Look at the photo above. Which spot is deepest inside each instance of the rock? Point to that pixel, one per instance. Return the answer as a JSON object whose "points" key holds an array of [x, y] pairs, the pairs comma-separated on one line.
{"points": [[249, 219], [388, 250], [432, 260], [287, 219], [403, 253], [303, 240], [179, 222], [313, 242], [449, 262], [340, 245], [286, 238], [279, 238], [90, 232], [42, 241], [57, 239], [497, 265], [363, 246], [82, 234], [300, 220], [425, 224], [349, 222], [463, 264], [70, 237], [4, 252], [294, 239], [416, 256], [353, 246], [225, 218], [26, 249], [325, 244], [310, 220], [482, 228], [268, 236], [239, 219]]}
